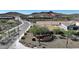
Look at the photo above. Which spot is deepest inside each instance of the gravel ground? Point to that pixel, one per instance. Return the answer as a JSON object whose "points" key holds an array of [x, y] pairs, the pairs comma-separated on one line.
{"points": [[57, 43]]}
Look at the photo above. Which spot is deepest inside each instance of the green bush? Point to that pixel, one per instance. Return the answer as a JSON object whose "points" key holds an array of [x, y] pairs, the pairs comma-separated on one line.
{"points": [[59, 31], [64, 33], [77, 33], [3, 21], [36, 30]]}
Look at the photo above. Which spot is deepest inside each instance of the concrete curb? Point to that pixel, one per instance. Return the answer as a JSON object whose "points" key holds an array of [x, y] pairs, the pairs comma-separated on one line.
{"points": [[26, 30]]}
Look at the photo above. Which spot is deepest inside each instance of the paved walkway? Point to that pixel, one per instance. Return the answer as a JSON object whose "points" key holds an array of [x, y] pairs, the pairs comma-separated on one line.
{"points": [[23, 28]]}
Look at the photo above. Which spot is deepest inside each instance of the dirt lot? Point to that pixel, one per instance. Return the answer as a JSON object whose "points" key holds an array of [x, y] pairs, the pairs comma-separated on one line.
{"points": [[57, 43]]}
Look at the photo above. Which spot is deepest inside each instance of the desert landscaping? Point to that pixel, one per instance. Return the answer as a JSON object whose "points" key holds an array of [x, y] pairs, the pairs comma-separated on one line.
{"points": [[51, 36]]}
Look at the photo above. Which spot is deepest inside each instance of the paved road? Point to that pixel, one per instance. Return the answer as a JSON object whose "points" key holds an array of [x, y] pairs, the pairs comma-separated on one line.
{"points": [[14, 43], [17, 44]]}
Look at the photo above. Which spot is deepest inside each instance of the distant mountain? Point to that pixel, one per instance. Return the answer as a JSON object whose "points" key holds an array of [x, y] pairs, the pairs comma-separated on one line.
{"points": [[46, 14], [36, 14], [12, 14]]}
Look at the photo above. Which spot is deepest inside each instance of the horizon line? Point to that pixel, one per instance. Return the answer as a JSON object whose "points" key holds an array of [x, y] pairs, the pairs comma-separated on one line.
{"points": [[38, 11]]}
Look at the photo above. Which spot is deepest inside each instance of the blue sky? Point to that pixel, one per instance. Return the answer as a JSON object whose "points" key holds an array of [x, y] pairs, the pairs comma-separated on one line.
{"points": [[31, 11]]}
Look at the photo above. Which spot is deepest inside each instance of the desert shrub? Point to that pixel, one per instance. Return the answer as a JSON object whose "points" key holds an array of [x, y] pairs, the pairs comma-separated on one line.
{"points": [[77, 33], [3, 21], [59, 31], [25, 33], [23, 38], [33, 39], [36, 30]]}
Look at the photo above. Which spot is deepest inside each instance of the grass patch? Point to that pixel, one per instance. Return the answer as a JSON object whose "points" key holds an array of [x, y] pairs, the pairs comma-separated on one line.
{"points": [[52, 27]]}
